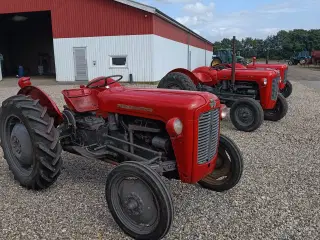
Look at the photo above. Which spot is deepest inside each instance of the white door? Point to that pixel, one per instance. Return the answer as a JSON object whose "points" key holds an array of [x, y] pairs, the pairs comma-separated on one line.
{"points": [[80, 63]]}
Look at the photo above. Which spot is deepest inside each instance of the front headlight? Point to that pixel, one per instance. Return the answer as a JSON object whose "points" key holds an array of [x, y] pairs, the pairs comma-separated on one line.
{"points": [[223, 111], [177, 126], [174, 127]]}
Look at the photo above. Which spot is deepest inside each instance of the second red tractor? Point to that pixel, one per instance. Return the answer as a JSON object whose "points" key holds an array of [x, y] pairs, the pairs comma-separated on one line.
{"points": [[285, 85], [253, 95]]}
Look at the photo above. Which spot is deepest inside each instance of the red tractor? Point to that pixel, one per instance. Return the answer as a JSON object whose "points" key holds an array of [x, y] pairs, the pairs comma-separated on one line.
{"points": [[285, 85], [145, 133], [225, 60], [252, 95]]}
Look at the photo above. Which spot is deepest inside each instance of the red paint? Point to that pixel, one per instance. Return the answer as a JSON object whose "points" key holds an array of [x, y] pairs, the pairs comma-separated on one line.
{"points": [[188, 106], [280, 67], [81, 100], [214, 77], [45, 101], [315, 56], [165, 29], [90, 18], [140, 102], [24, 82], [103, 81]]}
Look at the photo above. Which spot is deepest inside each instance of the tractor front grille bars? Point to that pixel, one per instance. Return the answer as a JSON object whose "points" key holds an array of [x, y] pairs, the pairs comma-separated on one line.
{"points": [[275, 88], [208, 135]]}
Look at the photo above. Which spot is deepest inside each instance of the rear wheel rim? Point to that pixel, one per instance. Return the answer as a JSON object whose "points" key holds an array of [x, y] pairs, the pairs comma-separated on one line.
{"points": [[135, 204], [18, 144], [222, 172]]}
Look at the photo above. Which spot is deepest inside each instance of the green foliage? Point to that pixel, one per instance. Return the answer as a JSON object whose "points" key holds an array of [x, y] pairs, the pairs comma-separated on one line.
{"points": [[280, 46]]}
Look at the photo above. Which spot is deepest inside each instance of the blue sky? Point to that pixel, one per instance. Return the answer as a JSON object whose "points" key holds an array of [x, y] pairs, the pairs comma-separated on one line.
{"points": [[216, 19]]}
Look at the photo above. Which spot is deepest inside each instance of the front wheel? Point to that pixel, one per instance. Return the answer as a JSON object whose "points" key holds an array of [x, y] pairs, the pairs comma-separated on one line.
{"points": [[279, 110], [287, 90], [246, 114], [228, 169], [139, 201]]}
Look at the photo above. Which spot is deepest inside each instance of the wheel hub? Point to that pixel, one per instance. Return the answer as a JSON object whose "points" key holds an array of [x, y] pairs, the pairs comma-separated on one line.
{"points": [[21, 144], [133, 204], [137, 203], [245, 115]]}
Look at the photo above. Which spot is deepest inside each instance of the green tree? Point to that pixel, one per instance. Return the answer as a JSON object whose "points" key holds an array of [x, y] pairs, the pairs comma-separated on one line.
{"points": [[280, 46]]}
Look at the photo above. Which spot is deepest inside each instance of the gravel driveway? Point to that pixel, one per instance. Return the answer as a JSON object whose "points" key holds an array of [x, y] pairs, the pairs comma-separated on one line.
{"points": [[277, 198]]}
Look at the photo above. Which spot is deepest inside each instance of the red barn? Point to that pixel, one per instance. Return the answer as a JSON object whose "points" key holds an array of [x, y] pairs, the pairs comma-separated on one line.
{"points": [[82, 39]]}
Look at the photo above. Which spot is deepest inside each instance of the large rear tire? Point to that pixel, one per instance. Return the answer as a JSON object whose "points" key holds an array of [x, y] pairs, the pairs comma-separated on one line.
{"points": [[229, 167], [279, 111], [246, 114], [139, 201], [287, 90], [30, 142], [177, 80]]}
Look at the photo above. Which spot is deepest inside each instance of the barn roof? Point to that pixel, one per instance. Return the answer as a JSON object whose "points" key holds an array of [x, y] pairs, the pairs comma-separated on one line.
{"points": [[162, 15]]}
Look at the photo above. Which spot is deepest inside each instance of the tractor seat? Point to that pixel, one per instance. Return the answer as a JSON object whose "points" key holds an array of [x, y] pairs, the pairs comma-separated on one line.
{"points": [[81, 100]]}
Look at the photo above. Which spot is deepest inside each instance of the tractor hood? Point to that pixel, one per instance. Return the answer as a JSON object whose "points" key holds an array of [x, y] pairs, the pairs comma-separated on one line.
{"points": [[162, 104], [272, 66], [246, 74]]}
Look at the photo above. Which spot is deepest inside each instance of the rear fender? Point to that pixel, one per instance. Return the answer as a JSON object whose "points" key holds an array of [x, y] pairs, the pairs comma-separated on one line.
{"points": [[190, 74], [206, 75], [45, 101]]}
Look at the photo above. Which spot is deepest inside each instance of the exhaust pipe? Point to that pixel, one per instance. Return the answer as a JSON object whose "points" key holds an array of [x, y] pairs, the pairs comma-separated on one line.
{"points": [[233, 78]]}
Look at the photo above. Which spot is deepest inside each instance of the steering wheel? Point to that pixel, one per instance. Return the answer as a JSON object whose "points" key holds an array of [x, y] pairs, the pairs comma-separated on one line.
{"points": [[105, 82]]}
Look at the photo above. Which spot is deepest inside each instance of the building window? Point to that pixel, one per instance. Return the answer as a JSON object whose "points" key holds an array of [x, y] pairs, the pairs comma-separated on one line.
{"points": [[118, 61]]}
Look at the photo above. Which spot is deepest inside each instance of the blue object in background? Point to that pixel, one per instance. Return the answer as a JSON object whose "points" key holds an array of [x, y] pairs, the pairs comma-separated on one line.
{"points": [[20, 71]]}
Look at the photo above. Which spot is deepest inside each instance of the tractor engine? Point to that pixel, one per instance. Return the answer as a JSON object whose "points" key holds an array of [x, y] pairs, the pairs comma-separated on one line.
{"points": [[119, 137], [242, 88]]}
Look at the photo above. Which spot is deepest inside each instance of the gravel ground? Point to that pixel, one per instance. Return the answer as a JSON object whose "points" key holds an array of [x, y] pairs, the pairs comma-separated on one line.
{"points": [[277, 198]]}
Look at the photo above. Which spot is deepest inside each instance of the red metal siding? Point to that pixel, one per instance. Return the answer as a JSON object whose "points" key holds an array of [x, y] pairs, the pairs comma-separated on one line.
{"points": [[167, 30], [88, 18], [13, 6], [196, 42]]}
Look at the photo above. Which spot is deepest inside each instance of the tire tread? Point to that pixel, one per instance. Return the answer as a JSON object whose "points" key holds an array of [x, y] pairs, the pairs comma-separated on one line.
{"points": [[45, 138]]}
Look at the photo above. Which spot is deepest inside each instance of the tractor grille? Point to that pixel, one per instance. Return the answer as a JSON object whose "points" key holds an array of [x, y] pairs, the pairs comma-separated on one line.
{"points": [[285, 75], [275, 88], [208, 133]]}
